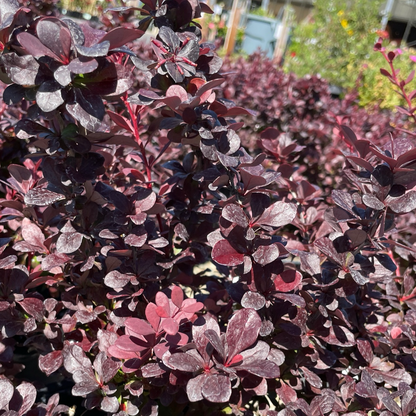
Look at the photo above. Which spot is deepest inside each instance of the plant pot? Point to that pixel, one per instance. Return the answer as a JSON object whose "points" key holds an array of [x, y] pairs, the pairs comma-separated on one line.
{"points": [[259, 34]]}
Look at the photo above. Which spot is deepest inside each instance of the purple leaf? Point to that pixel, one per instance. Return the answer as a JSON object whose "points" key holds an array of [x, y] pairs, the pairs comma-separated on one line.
{"points": [[42, 197], [56, 37], [34, 307], [34, 46], [84, 387], [7, 390], [403, 204], [202, 324], [311, 378], [177, 296], [266, 254], [120, 36], [116, 280], [49, 363], [184, 362], [54, 260], [287, 280], [24, 397], [242, 331], [94, 51], [373, 202], [32, 234], [262, 368], [82, 65], [217, 388], [366, 387], [22, 70], [194, 388], [253, 300], [366, 350], [278, 214], [105, 367], [235, 214], [69, 242], [385, 397], [170, 326], [223, 253], [215, 340]]}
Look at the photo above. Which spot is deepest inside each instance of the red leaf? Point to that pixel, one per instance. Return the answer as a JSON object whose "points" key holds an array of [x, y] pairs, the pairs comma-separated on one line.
{"points": [[223, 253], [217, 388], [120, 121], [279, 214], [177, 296], [170, 326], [49, 363], [7, 390], [287, 280], [120, 36], [242, 331], [152, 316]]}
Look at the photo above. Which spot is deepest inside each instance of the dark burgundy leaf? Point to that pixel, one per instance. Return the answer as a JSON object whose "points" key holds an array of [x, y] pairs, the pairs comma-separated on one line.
{"points": [[56, 37], [278, 214], [262, 368], [223, 253], [120, 36], [7, 390], [311, 378], [116, 280], [215, 340], [287, 280], [13, 94], [49, 363], [94, 51], [242, 331], [82, 65], [184, 362], [365, 349], [42, 197], [22, 70], [405, 203], [24, 397], [34, 307], [217, 388], [69, 242], [235, 214], [266, 254], [194, 388], [253, 300], [385, 397], [34, 46], [366, 387]]}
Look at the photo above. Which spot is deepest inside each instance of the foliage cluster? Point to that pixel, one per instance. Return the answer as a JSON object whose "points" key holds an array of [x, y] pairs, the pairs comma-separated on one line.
{"points": [[337, 43], [155, 259]]}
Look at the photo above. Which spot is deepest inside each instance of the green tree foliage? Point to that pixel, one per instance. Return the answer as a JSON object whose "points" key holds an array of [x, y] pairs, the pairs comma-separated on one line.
{"points": [[336, 41]]}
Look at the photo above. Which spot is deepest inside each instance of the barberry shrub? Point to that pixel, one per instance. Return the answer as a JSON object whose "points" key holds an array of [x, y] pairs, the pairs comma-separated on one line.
{"points": [[152, 262]]}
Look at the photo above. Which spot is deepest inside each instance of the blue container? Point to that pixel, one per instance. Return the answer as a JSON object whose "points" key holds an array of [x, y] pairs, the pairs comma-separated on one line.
{"points": [[259, 33]]}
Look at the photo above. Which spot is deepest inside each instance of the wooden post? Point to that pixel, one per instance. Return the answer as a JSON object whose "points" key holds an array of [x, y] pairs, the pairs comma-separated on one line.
{"points": [[279, 50], [232, 28]]}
